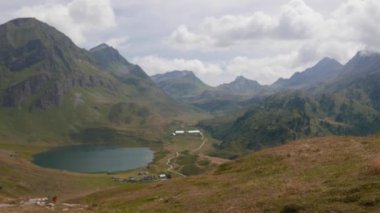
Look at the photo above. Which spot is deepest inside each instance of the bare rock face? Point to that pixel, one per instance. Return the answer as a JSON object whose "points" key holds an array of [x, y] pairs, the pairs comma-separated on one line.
{"points": [[18, 93], [39, 64]]}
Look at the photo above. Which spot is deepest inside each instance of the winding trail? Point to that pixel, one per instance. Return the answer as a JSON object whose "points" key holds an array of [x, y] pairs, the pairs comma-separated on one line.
{"points": [[204, 140], [170, 165], [169, 161]]}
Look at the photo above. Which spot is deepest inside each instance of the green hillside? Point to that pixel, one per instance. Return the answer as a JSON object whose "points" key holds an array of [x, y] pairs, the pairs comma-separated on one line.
{"points": [[348, 105], [52, 90], [333, 174]]}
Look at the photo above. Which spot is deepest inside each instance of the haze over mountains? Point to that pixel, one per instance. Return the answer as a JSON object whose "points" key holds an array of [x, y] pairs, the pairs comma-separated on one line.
{"points": [[173, 82], [188, 88]]}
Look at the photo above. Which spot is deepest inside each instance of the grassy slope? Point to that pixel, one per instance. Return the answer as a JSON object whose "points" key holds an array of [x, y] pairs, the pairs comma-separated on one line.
{"points": [[87, 108], [22, 179], [336, 174], [54, 124], [291, 115]]}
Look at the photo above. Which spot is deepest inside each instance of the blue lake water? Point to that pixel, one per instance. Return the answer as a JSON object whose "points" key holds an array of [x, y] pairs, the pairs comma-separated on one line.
{"points": [[94, 158]]}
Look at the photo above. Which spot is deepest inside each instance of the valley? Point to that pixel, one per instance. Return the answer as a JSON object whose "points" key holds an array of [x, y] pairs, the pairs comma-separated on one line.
{"points": [[309, 143], [24, 180]]}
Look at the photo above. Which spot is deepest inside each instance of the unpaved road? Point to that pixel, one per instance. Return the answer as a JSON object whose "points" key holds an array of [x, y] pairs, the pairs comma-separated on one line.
{"points": [[169, 161], [170, 165]]}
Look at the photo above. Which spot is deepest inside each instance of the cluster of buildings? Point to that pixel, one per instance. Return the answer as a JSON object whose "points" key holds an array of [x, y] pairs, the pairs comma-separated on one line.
{"points": [[142, 178]]}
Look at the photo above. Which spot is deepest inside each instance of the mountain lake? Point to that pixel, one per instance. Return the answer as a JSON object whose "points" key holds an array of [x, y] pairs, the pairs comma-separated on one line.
{"points": [[94, 158]]}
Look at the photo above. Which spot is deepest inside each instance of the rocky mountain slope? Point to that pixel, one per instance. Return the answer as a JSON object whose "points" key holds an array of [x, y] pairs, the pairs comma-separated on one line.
{"points": [[181, 85], [52, 90], [324, 71]]}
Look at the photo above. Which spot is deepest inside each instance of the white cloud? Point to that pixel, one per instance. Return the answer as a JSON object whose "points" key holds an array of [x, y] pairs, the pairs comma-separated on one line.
{"points": [[154, 65], [359, 21], [353, 24], [296, 21], [294, 38], [74, 18], [264, 70], [229, 29], [188, 40]]}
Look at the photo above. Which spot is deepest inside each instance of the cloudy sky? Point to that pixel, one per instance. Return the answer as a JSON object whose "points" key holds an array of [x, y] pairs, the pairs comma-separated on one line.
{"points": [[217, 39]]}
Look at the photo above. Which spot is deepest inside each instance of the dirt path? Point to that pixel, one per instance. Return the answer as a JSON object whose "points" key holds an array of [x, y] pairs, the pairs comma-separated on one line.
{"points": [[214, 160], [170, 165], [169, 161], [204, 140]]}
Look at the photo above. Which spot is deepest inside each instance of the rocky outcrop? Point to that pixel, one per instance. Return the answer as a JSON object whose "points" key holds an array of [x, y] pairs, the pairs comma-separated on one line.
{"points": [[42, 91], [20, 92]]}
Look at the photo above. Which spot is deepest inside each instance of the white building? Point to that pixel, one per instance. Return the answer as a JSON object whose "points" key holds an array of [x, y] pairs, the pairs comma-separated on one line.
{"points": [[195, 131], [162, 176]]}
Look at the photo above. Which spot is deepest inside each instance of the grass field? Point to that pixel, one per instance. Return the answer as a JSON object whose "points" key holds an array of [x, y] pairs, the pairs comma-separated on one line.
{"points": [[332, 174], [21, 179], [329, 174]]}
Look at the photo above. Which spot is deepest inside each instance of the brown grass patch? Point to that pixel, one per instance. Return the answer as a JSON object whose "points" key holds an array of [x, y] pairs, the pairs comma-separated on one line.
{"points": [[374, 165]]}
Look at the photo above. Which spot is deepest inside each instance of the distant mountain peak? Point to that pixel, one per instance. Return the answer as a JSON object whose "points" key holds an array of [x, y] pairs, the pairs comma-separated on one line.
{"points": [[180, 84], [323, 71], [110, 59], [363, 63], [105, 48], [183, 73], [240, 78], [36, 30], [102, 46], [243, 80], [20, 21], [107, 55], [366, 53], [362, 57], [176, 74], [241, 86], [327, 61]]}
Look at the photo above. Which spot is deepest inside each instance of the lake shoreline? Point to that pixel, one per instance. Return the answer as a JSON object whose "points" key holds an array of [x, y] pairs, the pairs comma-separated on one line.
{"points": [[94, 158]]}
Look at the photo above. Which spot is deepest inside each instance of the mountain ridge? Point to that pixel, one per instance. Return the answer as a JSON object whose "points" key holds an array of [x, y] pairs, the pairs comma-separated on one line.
{"points": [[322, 72], [348, 104], [68, 93], [242, 86], [180, 84]]}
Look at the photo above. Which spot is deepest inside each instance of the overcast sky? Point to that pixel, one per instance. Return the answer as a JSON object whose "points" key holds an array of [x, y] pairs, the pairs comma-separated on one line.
{"points": [[217, 39]]}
